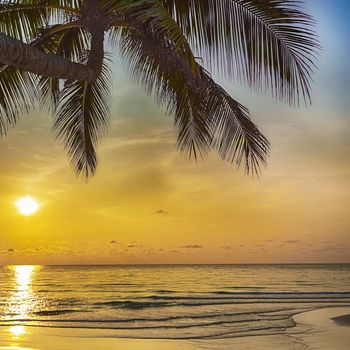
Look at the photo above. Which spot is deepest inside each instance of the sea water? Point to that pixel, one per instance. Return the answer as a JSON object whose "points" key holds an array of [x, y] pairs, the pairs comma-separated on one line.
{"points": [[169, 302]]}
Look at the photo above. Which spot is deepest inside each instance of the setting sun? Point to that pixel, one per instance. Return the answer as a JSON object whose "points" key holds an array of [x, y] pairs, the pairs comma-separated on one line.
{"points": [[27, 205]]}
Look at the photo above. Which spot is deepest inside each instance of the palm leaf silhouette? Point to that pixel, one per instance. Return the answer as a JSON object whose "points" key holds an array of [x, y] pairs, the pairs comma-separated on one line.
{"points": [[81, 118], [54, 52]]}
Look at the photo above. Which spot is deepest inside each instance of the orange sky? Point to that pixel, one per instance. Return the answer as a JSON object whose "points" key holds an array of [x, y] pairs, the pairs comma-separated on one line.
{"points": [[147, 204]]}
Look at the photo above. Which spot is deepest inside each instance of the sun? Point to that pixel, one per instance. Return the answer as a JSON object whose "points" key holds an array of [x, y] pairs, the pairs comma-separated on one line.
{"points": [[27, 205]]}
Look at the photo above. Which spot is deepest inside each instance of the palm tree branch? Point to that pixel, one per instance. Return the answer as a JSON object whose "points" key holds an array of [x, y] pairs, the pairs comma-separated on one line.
{"points": [[267, 43], [18, 94], [49, 31], [81, 119], [171, 79], [18, 89], [18, 54], [152, 16], [21, 20], [70, 44], [205, 115], [13, 7]]}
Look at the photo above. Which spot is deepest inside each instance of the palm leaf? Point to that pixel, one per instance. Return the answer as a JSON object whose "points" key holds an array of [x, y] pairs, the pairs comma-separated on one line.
{"points": [[81, 118], [21, 18], [205, 115], [267, 43], [236, 137], [158, 63], [70, 43], [17, 96], [150, 16]]}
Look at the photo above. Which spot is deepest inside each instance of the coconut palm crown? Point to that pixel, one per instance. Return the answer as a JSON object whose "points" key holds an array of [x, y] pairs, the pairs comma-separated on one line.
{"points": [[53, 53]]}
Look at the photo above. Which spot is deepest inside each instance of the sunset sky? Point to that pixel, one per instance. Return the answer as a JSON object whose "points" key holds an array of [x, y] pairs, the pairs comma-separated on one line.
{"points": [[147, 204]]}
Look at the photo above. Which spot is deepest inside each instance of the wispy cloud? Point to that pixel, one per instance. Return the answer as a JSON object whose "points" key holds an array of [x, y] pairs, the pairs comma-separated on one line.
{"points": [[191, 246]]}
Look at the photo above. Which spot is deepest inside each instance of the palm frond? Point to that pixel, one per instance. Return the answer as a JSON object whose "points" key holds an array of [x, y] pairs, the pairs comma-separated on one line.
{"points": [[152, 17], [157, 63], [267, 43], [81, 119], [236, 137], [21, 18], [17, 96], [69, 42], [205, 115]]}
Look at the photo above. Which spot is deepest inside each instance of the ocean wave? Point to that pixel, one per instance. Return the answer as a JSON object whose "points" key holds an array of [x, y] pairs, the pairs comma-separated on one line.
{"points": [[197, 302], [282, 312], [55, 312], [218, 330], [255, 296], [130, 304]]}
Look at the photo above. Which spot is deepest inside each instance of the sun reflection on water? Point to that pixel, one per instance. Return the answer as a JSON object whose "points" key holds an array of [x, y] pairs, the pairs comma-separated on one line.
{"points": [[24, 277], [21, 301], [17, 331]]}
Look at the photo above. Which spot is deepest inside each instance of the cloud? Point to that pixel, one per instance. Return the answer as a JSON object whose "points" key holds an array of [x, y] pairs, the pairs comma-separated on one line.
{"points": [[328, 248], [191, 246], [10, 251], [226, 247], [113, 242], [135, 246], [160, 212], [292, 241]]}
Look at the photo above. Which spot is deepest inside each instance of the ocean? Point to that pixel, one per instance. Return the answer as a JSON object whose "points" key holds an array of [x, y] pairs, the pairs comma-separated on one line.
{"points": [[169, 302]]}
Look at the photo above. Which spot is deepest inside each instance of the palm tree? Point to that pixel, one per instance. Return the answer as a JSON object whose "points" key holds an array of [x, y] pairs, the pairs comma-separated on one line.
{"points": [[53, 54]]}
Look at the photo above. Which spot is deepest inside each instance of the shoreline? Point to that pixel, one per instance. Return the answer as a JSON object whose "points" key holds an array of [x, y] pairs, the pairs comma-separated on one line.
{"points": [[325, 330], [322, 329]]}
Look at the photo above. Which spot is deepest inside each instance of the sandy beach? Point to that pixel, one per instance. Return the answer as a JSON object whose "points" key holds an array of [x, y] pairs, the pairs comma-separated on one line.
{"points": [[320, 329], [329, 328]]}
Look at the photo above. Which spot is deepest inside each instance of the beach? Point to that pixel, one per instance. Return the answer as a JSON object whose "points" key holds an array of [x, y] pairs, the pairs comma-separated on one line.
{"points": [[330, 328]]}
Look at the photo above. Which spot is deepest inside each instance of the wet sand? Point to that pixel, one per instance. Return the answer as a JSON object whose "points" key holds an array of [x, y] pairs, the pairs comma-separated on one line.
{"points": [[321, 329], [329, 328]]}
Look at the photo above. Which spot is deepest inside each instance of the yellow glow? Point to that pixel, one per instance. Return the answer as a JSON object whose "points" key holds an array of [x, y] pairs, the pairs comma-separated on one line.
{"points": [[16, 331], [23, 277], [27, 205], [21, 301]]}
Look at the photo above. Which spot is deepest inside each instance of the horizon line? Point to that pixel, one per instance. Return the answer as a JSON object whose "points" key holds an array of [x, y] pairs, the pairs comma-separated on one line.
{"points": [[182, 264]]}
